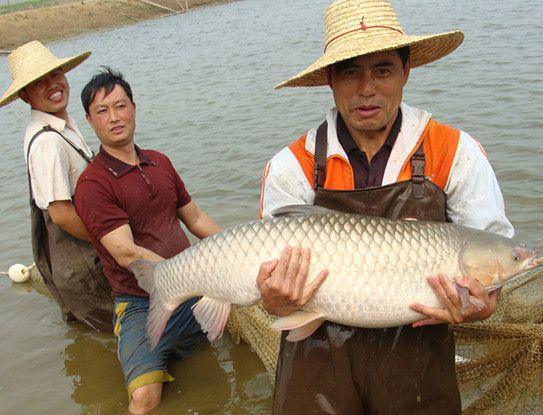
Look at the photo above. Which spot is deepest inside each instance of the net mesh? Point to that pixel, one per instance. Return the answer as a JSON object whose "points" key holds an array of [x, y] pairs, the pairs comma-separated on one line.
{"points": [[499, 361]]}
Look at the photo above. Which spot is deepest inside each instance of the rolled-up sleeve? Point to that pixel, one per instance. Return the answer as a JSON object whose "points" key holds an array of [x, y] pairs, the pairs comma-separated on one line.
{"points": [[96, 206], [283, 184], [49, 168]]}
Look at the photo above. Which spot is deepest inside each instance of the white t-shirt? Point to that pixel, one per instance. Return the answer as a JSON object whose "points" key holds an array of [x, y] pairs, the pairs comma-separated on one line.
{"points": [[54, 164]]}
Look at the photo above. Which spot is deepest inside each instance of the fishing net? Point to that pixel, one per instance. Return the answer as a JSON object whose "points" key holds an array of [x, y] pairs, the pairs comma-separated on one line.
{"points": [[499, 361], [253, 326]]}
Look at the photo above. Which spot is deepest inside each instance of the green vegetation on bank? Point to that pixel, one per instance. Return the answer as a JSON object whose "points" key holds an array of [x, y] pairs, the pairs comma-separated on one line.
{"points": [[28, 4]]}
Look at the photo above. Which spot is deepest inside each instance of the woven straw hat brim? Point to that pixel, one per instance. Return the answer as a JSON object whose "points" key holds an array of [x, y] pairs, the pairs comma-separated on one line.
{"points": [[423, 50], [66, 64]]}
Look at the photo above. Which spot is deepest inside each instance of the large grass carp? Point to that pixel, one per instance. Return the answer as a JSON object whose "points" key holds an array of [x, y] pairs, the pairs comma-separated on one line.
{"points": [[377, 268]]}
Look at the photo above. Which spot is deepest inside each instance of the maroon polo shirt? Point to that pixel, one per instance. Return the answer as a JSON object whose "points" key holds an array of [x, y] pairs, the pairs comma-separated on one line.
{"points": [[367, 174], [111, 193]]}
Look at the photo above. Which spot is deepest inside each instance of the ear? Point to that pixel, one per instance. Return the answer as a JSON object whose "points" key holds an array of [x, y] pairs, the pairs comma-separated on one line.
{"points": [[24, 96], [89, 119], [406, 71]]}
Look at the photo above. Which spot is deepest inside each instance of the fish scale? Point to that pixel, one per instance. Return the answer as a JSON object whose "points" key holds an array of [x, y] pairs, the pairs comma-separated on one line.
{"points": [[377, 267]]}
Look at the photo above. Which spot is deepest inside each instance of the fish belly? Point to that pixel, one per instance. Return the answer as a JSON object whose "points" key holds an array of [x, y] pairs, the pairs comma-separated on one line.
{"points": [[376, 267]]}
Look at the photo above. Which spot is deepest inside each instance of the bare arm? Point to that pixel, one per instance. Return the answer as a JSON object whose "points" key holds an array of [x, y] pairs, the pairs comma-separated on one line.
{"points": [[120, 244], [63, 214], [199, 223]]}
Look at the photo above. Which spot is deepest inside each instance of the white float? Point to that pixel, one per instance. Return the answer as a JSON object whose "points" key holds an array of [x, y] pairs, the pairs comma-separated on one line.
{"points": [[19, 273]]}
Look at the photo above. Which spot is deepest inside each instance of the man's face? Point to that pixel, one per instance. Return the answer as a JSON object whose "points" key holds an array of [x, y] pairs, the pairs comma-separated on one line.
{"points": [[368, 90], [49, 94], [113, 117]]}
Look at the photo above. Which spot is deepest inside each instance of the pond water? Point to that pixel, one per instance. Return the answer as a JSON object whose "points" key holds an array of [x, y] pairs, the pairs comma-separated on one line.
{"points": [[203, 85]]}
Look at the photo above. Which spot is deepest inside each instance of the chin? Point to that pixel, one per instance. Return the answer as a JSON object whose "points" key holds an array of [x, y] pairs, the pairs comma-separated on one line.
{"points": [[61, 106]]}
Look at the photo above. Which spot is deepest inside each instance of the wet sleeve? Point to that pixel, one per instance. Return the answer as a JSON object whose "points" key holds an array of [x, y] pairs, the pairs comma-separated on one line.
{"points": [[284, 183], [96, 206], [49, 168], [474, 195]]}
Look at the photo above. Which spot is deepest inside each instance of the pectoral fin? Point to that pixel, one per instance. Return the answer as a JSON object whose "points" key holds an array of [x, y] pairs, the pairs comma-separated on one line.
{"points": [[212, 316], [300, 323], [466, 300]]}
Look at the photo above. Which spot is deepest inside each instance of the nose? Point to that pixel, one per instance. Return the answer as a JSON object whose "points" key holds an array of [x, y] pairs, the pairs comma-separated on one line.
{"points": [[113, 116], [49, 80], [366, 86]]}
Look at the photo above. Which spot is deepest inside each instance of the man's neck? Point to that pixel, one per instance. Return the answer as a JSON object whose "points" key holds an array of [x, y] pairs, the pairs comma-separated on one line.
{"points": [[63, 115], [371, 141], [126, 154]]}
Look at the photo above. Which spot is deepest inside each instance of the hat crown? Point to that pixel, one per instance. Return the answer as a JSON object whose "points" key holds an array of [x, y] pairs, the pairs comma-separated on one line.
{"points": [[361, 19], [28, 58]]}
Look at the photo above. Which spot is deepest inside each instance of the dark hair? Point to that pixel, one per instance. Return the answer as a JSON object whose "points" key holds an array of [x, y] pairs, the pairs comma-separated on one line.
{"points": [[403, 53], [107, 79]]}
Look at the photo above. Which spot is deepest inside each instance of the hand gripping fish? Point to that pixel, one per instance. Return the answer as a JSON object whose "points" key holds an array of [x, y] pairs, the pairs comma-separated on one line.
{"points": [[377, 268]]}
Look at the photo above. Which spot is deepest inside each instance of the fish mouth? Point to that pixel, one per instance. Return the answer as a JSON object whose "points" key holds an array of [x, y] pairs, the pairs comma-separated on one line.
{"points": [[535, 261]]}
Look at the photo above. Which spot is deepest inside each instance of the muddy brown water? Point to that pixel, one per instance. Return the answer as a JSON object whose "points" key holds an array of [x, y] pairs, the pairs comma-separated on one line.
{"points": [[203, 87]]}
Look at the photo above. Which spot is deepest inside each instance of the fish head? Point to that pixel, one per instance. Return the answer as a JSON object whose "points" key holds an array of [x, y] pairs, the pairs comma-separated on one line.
{"points": [[493, 260]]}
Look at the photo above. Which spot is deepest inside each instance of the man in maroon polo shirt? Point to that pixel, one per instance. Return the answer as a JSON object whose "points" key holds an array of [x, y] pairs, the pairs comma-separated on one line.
{"points": [[131, 201]]}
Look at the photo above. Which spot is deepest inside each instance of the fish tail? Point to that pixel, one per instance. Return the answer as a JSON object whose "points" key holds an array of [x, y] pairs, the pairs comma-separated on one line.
{"points": [[159, 314], [156, 320], [212, 316]]}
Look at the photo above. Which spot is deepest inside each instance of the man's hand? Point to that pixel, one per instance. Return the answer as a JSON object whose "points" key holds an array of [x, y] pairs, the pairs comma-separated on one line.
{"points": [[282, 282], [481, 307]]}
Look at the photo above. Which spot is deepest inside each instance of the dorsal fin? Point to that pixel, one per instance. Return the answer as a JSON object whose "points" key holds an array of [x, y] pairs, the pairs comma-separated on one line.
{"points": [[301, 210]]}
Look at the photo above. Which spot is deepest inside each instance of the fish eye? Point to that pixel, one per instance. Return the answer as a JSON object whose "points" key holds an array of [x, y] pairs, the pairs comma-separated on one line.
{"points": [[516, 257]]}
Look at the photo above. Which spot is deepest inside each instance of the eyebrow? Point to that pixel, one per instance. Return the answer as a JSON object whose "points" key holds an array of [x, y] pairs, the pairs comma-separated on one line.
{"points": [[122, 100], [383, 63]]}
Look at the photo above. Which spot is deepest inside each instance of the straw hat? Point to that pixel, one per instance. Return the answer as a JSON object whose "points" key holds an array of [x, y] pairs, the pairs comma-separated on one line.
{"points": [[30, 62], [358, 27]]}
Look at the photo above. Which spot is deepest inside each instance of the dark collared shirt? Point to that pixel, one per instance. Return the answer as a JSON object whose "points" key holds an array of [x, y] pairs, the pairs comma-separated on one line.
{"points": [[367, 174], [111, 193]]}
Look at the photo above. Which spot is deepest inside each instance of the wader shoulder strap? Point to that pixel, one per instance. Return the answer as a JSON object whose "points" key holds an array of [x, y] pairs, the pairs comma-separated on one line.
{"points": [[418, 163], [43, 130], [321, 148], [79, 151], [31, 193]]}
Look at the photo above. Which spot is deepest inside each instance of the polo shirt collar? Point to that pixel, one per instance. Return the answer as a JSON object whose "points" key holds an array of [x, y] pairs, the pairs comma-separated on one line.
{"points": [[348, 143], [119, 168]]}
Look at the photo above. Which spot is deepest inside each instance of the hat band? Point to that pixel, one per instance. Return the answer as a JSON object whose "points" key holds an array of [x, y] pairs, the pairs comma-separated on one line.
{"points": [[362, 27]]}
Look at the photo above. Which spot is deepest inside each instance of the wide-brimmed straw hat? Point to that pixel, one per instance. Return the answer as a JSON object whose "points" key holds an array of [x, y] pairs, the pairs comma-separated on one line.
{"points": [[359, 27], [30, 62]]}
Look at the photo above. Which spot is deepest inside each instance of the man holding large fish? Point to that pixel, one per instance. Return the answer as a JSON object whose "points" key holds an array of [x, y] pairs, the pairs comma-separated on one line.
{"points": [[131, 201], [377, 156], [375, 251]]}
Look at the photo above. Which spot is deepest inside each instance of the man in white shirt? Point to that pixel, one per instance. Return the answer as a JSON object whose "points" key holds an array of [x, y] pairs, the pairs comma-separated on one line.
{"points": [[56, 154]]}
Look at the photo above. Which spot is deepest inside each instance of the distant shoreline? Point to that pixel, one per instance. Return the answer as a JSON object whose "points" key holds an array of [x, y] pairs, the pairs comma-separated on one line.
{"points": [[50, 20]]}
